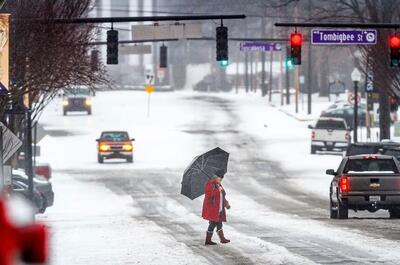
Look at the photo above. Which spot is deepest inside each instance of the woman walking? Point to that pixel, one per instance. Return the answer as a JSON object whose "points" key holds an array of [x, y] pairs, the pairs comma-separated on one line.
{"points": [[214, 208]]}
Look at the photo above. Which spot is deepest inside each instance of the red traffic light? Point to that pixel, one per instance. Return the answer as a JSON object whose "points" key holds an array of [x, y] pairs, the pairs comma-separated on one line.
{"points": [[296, 39], [394, 41]]}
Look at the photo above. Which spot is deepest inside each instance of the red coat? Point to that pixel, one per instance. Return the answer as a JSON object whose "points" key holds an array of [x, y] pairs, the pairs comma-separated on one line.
{"points": [[211, 203]]}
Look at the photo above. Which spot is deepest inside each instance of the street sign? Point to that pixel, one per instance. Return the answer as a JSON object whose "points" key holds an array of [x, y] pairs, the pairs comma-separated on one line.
{"points": [[165, 32], [352, 99], [369, 87], [11, 143], [260, 46], [149, 89], [135, 49], [343, 37]]}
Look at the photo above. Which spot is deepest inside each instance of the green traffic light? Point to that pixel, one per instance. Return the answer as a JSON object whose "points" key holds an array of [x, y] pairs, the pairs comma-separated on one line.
{"points": [[223, 63], [289, 64]]}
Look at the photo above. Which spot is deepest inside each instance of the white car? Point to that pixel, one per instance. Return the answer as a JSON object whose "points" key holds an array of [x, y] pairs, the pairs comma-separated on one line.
{"points": [[329, 134]]}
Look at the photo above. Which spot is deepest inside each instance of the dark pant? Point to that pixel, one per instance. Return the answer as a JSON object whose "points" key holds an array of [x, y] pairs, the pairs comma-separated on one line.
{"points": [[213, 224]]}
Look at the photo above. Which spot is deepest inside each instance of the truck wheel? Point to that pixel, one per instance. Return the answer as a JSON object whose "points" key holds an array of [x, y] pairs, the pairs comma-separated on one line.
{"points": [[343, 211], [394, 214], [100, 159], [333, 213], [129, 159], [89, 112], [65, 113], [313, 150]]}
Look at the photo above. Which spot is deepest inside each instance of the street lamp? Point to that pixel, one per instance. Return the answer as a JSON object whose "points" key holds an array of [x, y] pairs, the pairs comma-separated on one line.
{"points": [[356, 78]]}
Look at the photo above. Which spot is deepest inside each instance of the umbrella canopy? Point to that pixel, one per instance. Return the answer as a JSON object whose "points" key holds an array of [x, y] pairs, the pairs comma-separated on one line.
{"points": [[201, 170]]}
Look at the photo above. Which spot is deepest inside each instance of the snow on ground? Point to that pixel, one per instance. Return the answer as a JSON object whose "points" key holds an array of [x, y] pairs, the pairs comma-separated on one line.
{"points": [[88, 218], [90, 224]]}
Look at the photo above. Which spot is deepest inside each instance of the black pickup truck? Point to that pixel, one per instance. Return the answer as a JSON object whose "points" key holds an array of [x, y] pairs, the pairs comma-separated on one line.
{"points": [[365, 182]]}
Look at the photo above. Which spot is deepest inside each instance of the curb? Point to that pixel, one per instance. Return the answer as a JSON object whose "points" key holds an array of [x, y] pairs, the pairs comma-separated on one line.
{"points": [[290, 114]]}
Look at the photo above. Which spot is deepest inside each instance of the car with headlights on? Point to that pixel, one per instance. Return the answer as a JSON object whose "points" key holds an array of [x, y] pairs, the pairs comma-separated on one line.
{"points": [[77, 99], [114, 144]]}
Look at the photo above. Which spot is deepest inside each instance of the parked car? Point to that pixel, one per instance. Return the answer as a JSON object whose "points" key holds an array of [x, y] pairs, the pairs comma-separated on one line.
{"points": [[22, 189], [77, 98], [365, 183], [114, 144], [383, 147], [330, 134], [41, 185], [43, 169], [347, 113]]}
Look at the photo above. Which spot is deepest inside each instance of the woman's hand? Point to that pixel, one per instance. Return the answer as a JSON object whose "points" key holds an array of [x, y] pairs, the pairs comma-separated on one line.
{"points": [[227, 206]]}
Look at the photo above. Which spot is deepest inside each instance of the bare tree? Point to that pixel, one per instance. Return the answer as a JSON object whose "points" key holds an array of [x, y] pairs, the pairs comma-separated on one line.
{"points": [[45, 57]]}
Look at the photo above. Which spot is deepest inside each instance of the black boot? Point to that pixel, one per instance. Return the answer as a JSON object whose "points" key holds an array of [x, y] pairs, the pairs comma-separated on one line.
{"points": [[208, 239]]}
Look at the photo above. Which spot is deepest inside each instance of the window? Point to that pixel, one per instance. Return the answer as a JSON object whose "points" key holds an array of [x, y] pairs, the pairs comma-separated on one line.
{"points": [[115, 136], [330, 125], [366, 165]]}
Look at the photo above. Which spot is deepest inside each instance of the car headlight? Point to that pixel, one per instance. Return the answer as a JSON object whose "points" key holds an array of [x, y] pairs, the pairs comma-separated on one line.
{"points": [[127, 147], [104, 147], [65, 103], [88, 102]]}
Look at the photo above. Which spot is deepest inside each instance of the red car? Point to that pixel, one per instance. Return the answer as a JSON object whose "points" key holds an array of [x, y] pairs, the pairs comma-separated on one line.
{"points": [[114, 144]]}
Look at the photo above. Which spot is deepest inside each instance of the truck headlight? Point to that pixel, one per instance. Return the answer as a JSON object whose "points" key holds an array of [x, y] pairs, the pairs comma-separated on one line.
{"points": [[65, 103], [104, 147], [127, 147], [88, 102]]}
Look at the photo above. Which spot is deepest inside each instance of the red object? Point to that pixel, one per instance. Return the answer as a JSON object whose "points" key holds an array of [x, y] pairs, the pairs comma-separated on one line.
{"points": [[312, 135], [394, 41], [43, 170], [29, 242], [211, 203], [370, 157], [344, 184], [296, 39]]}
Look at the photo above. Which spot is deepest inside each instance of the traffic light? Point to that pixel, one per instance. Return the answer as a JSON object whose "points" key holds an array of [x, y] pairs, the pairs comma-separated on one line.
{"points": [[222, 43], [112, 47], [289, 63], [94, 60], [393, 104], [394, 44], [223, 63], [296, 39], [163, 57]]}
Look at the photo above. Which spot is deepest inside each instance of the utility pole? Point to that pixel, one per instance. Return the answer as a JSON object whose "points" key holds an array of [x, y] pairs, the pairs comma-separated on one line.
{"points": [[309, 70], [287, 78], [271, 61], [263, 87]]}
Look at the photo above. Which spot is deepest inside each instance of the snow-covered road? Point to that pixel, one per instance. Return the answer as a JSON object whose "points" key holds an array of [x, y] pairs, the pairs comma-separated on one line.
{"points": [[120, 213]]}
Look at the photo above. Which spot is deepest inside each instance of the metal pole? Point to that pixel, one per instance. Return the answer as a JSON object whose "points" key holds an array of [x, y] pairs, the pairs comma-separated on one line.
{"points": [[28, 152], [309, 70], [2, 180], [148, 106], [355, 112], [287, 79], [297, 84]]}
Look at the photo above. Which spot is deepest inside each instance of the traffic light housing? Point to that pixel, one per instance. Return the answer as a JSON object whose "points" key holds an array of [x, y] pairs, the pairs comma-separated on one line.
{"points": [[394, 106], [94, 60], [112, 47], [163, 56], [394, 45], [222, 43], [296, 39]]}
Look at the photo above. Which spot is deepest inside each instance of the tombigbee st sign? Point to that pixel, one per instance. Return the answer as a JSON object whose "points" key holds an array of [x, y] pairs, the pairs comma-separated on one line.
{"points": [[343, 37]]}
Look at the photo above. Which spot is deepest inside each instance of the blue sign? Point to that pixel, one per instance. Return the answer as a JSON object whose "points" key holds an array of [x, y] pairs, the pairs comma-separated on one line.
{"points": [[369, 88], [343, 37], [260, 46], [3, 89]]}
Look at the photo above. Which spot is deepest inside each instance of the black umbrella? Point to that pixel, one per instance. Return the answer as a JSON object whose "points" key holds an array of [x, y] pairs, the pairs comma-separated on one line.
{"points": [[201, 170]]}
